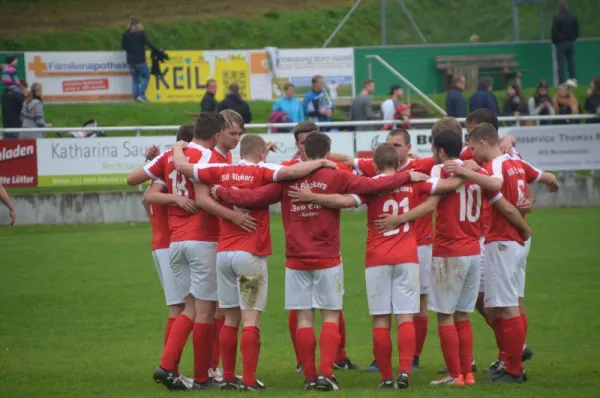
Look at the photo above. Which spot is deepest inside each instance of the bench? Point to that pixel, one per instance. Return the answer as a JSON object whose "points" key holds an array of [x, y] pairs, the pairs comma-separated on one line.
{"points": [[471, 65]]}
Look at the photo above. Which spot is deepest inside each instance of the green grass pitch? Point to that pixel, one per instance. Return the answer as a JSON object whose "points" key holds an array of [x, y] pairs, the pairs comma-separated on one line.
{"points": [[82, 315]]}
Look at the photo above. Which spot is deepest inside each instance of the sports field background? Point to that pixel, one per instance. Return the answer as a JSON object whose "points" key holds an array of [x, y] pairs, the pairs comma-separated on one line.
{"points": [[82, 315]]}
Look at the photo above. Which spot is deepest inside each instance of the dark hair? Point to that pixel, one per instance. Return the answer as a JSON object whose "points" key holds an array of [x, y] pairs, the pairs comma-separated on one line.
{"points": [[234, 88], [315, 78], [485, 132], [483, 116], [317, 146], [185, 132], [518, 93], [447, 123], [209, 81], [367, 82], [208, 124], [485, 83], [449, 141], [386, 157], [395, 87], [305, 127], [288, 85], [252, 144], [9, 58], [401, 132]]}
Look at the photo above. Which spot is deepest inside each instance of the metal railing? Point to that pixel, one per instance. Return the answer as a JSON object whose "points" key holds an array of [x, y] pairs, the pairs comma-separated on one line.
{"points": [[269, 126]]}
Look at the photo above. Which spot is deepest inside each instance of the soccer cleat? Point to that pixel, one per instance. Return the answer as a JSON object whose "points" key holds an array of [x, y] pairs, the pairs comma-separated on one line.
{"points": [[346, 364], [209, 384], [260, 383], [495, 366], [449, 381], [255, 387], [230, 385], [403, 381], [310, 385], [169, 380], [527, 354], [415, 364], [504, 377], [470, 379], [299, 368], [188, 381], [326, 384], [372, 367], [216, 374], [387, 383], [473, 367]]}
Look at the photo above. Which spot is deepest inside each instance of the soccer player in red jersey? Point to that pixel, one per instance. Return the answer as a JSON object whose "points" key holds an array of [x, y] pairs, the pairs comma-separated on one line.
{"points": [[314, 273], [241, 256], [193, 253], [505, 251], [342, 361], [400, 139], [390, 273]]}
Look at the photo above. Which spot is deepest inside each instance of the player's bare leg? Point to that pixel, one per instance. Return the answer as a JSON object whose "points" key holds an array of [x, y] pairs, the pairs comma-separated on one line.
{"points": [[382, 349], [421, 321], [203, 343], [465, 345], [214, 370], [449, 342], [307, 344], [406, 349], [329, 341]]}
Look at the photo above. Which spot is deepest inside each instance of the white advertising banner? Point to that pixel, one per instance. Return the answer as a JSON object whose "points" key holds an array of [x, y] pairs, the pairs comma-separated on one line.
{"points": [[108, 161], [298, 66], [84, 76]]}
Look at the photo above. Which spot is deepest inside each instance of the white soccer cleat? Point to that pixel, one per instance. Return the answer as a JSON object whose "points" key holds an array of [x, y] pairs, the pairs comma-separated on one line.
{"points": [[215, 374]]}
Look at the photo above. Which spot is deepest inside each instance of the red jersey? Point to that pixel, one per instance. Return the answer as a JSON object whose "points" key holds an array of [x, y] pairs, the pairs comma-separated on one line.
{"points": [[400, 245], [242, 175], [159, 222], [467, 154], [424, 225], [184, 226], [515, 175], [458, 221], [294, 161], [312, 232], [220, 157]]}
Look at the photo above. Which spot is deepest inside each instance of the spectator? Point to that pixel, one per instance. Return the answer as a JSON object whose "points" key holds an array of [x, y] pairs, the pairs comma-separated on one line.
{"points": [[541, 103], [32, 113], [402, 114], [290, 104], [134, 42], [514, 103], [565, 103], [9, 74], [388, 107], [484, 98], [12, 104], [317, 105], [565, 30], [362, 106], [592, 101], [233, 100], [209, 102], [456, 105]]}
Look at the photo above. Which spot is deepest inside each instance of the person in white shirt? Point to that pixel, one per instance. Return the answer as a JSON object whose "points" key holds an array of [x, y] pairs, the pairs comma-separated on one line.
{"points": [[388, 107]]}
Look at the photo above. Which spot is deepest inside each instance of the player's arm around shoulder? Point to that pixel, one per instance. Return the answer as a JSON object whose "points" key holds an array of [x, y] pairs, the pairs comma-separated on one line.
{"points": [[180, 161], [302, 169], [211, 206], [331, 201], [513, 215], [491, 183]]}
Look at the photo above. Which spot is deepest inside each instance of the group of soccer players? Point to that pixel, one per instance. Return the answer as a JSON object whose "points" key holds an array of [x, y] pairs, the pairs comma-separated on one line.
{"points": [[211, 238]]}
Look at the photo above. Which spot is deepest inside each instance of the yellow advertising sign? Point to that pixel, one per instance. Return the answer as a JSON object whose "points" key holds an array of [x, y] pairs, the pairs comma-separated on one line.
{"points": [[183, 77]]}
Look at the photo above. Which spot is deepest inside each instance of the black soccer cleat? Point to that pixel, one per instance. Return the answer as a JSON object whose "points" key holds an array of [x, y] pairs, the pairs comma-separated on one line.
{"points": [[387, 383], [230, 385], [403, 381], [169, 380], [255, 387], [209, 384], [504, 377], [310, 385], [346, 364], [326, 384], [527, 354]]}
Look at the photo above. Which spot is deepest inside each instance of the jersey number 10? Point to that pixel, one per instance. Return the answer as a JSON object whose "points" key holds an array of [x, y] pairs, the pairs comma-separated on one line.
{"points": [[470, 203]]}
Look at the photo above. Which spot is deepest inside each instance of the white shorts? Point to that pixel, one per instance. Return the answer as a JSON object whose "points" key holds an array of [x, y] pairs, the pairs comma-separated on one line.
{"points": [[454, 284], [393, 289], [481, 279], [504, 273], [162, 261], [194, 268], [322, 289], [523, 268], [242, 280], [424, 266]]}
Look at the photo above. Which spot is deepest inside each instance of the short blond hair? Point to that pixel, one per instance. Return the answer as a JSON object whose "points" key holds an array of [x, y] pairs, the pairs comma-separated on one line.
{"points": [[252, 145], [446, 123], [232, 117]]}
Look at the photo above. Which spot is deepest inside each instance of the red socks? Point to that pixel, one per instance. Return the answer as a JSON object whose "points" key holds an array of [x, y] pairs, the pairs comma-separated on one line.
{"points": [[524, 320], [168, 327], [307, 345], [341, 352], [216, 352], [329, 343], [499, 335], [406, 346], [203, 348], [382, 350], [450, 348], [421, 325], [292, 326], [250, 347], [178, 335], [465, 346], [514, 338], [228, 340]]}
